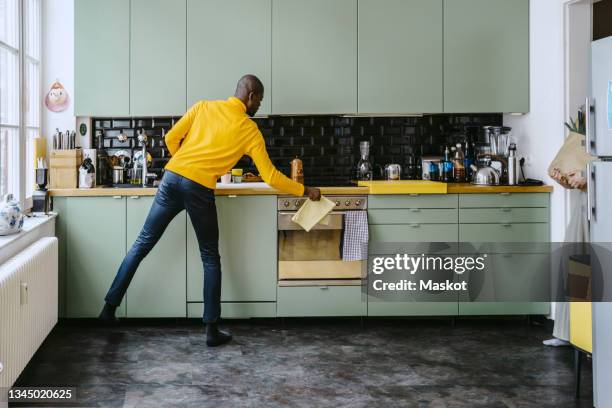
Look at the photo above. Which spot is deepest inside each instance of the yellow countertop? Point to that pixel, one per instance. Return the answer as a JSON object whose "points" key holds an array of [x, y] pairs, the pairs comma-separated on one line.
{"points": [[405, 187], [372, 187]]}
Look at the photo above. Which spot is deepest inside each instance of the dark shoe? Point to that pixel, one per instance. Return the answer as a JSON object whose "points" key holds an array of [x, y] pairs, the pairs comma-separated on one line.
{"points": [[216, 337], [107, 315]]}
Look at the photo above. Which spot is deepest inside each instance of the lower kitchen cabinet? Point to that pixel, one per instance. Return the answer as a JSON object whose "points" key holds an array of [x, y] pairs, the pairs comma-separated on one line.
{"points": [[158, 288], [505, 277], [95, 247], [237, 310], [509, 225], [302, 301], [247, 245]]}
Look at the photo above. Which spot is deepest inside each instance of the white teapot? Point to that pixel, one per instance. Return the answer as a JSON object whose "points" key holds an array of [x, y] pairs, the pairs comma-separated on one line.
{"points": [[11, 216]]}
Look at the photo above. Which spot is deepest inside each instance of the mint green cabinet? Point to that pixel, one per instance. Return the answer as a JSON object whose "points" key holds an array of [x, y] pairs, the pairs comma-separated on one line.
{"points": [[247, 245], [95, 247], [506, 276], [102, 57], [509, 225], [226, 40], [157, 57], [486, 56], [314, 54], [60, 206], [158, 288], [400, 56], [396, 219], [299, 301]]}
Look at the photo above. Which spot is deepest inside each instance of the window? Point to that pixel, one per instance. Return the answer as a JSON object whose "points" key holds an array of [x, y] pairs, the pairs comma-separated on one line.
{"points": [[20, 94]]}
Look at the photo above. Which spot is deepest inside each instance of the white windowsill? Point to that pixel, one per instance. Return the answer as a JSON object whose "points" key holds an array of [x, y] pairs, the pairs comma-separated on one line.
{"points": [[34, 227]]}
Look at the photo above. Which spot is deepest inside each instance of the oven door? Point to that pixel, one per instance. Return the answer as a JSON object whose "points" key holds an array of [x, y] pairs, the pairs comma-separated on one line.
{"points": [[316, 254]]}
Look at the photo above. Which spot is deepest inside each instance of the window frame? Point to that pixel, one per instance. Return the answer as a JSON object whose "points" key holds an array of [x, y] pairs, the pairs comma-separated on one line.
{"points": [[21, 191]]}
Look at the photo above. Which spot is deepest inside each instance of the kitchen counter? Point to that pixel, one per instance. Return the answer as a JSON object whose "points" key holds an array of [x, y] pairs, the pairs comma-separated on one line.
{"points": [[375, 187], [222, 190]]}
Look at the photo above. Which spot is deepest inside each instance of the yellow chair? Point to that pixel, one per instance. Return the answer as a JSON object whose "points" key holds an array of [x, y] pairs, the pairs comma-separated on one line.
{"points": [[581, 322]]}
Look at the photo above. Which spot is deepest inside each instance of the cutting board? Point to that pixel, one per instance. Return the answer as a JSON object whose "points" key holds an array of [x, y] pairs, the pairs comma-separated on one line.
{"points": [[405, 187]]}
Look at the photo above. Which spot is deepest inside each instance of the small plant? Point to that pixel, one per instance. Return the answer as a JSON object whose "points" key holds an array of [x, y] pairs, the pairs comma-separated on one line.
{"points": [[577, 126]]}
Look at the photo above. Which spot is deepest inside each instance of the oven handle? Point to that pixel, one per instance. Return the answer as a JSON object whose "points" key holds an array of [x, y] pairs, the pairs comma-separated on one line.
{"points": [[285, 223]]}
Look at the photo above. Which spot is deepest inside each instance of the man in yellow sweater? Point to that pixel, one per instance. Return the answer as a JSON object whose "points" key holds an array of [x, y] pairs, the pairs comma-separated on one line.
{"points": [[205, 144]]}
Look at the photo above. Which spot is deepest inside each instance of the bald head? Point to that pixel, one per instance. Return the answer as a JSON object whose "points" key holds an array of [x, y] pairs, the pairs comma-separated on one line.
{"points": [[250, 91]]}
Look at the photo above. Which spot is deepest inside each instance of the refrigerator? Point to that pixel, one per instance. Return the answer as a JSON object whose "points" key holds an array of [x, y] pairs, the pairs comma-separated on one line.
{"points": [[599, 208]]}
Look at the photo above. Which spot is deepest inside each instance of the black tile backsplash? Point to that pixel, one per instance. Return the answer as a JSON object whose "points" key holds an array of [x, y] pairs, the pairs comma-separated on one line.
{"points": [[328, 145]]}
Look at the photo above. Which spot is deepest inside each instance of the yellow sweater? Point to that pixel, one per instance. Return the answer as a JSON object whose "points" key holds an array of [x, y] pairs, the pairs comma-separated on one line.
{"points": [[210, 139]]}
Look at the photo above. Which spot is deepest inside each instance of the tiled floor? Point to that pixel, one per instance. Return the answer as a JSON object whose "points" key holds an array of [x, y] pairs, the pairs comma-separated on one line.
{"points": [[311, 363]]}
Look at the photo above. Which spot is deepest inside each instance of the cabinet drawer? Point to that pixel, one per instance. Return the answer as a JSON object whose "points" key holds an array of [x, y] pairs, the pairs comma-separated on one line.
{"points": [[413, 201], [321, 301], [412, 308], [503, 200], [414, 233], [535, 232], [412, 215], [241, 310], [502, 215]]}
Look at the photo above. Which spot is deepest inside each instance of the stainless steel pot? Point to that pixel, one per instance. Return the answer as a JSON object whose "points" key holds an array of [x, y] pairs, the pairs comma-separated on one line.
{"points": [[485, 176]]}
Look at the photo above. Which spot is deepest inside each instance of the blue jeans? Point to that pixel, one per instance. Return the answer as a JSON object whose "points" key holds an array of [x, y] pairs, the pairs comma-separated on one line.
{"points": [[175, 194]]}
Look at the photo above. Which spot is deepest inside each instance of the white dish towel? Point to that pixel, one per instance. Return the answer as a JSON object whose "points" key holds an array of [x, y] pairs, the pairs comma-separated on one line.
{"points": [[355, 247]]}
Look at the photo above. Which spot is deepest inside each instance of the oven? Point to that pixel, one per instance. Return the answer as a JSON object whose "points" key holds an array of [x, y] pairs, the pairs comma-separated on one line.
{"points": [[316, 255]]}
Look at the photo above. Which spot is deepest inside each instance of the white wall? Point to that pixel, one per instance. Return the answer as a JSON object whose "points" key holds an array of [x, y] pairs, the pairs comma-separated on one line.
{"points": [[58, 61], [541, 132]]}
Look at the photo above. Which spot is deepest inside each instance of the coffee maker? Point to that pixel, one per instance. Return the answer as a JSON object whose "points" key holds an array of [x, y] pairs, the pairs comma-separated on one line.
{"points": [[40, 197]]}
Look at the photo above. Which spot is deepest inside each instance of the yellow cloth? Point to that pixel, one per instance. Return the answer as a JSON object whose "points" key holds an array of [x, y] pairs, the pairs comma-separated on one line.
{"points": [[210, 139], [313, 212]]}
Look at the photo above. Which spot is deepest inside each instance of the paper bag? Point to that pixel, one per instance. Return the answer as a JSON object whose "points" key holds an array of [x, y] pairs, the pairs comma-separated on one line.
{"points": [[313, 212], [572, 156]]}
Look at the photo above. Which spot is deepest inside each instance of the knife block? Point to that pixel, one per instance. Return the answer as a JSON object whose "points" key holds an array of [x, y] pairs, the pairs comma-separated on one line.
{"points": [[64, 168]]}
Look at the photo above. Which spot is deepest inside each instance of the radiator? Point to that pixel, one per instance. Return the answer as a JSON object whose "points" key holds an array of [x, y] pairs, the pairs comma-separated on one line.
{"points": [[28, 305]]}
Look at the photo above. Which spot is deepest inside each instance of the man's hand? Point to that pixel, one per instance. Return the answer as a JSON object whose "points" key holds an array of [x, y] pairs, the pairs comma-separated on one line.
{"points": [[313, 193]]}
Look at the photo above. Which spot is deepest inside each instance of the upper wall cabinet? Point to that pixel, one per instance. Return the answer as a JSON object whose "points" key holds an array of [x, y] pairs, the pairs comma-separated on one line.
{"points": [[314, 56], [400, 56], [226, 40], [486, 56], [102, 57], [157, 58]]}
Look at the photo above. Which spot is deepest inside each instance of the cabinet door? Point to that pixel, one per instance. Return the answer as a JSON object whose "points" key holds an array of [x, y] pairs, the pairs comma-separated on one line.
{"points": [[400, 56], [157, 57], [497, 288], [486, 56], [226, 40], [95, 232], [158, 287], [247, 245], [102, 57], [314, 55]]}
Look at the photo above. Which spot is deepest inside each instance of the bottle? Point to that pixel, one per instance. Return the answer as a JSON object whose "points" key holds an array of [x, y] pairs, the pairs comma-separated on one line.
{"points": [[364, 166], [446, 168], [512, 165], [469, 160], [297, 170], [458, 164]]}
